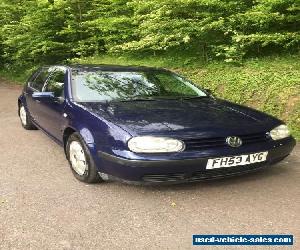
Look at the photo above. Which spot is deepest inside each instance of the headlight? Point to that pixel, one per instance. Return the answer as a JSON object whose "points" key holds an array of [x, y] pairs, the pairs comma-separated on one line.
{"points": [[280, 132], [151, 144]]}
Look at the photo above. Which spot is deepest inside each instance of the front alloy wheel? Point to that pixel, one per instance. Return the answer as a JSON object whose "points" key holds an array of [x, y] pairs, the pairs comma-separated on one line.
{"points": [[77, 158], [80, 160], [25, 119]]}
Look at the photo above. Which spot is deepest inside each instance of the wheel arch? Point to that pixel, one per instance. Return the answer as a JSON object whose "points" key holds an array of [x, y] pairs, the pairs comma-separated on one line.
{"points": [[85, 134], [93, 175]]}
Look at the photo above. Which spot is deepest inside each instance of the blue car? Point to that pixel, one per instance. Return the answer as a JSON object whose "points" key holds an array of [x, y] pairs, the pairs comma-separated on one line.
{"points": [[147, 125]]}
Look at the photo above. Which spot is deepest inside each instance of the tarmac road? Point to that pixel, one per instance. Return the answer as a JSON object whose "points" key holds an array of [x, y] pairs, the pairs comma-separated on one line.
{"points": [[42, 206]]}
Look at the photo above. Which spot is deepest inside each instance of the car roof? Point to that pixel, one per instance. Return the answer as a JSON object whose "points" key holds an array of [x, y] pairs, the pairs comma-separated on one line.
{"points": [[107, 67]]}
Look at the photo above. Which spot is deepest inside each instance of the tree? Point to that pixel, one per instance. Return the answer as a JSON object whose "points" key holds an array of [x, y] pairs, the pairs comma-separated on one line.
{"points": [[47, 31]]}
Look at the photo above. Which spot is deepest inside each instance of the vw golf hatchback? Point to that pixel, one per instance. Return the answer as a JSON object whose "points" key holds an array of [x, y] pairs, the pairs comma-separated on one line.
{"points": [[147, 125]]}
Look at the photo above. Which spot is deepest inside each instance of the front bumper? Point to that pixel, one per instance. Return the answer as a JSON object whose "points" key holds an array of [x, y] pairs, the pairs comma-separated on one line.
{"points": [[184, 170]]}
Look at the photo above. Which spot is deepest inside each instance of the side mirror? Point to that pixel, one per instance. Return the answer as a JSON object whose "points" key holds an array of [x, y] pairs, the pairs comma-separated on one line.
{"points": [[60, 99], [43, 95]]}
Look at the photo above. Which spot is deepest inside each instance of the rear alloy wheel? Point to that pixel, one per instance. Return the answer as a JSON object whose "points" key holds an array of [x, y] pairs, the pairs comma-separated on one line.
{"points": [[25, 119], [80, 160]]}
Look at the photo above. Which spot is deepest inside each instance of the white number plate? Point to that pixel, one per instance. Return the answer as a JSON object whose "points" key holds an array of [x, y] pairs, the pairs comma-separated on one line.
{"points": [[239, 160]]}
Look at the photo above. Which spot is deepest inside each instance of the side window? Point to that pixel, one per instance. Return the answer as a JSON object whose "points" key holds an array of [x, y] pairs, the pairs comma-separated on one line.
{"points": [[40, 79], [56, 82]]}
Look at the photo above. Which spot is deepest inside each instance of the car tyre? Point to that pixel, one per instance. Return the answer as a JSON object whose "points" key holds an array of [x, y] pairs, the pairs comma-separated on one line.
{"points": [[26, 119], [80, 160]]}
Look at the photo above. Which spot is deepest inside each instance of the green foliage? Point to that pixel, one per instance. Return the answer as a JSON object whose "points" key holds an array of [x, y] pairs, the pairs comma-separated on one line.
{"points": [[226, 29], [46, 31], [41, 31]]}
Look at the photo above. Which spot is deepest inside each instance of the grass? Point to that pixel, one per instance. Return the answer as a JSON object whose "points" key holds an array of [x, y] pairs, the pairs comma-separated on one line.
{"points": [[270, 84], [15, 76]]}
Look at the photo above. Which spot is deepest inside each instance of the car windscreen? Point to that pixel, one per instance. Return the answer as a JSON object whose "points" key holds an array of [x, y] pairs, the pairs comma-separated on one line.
{"points": [[102, 86]]}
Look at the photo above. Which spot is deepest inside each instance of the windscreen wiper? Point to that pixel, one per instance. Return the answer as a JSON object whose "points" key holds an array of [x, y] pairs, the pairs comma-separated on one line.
{"points": [[194, 97], [136, 99], [158, 98]]}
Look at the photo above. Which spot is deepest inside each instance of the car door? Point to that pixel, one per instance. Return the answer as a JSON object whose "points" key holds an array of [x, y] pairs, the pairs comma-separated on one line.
{"points": [[51, 116], [36, 85]]}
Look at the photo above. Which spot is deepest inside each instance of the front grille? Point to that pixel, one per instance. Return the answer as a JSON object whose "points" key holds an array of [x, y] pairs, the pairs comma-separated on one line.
{"points": [[202, 175], [164, 177], [196, 144], [223, 172]]}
